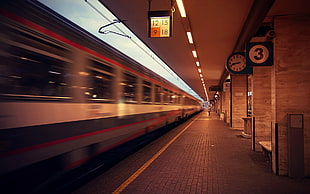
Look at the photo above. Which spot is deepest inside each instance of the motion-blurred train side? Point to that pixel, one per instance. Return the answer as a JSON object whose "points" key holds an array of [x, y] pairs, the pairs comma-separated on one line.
{"points": [[67, 96]]}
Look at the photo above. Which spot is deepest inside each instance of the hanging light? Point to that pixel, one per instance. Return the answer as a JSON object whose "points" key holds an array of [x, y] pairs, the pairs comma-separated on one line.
{"points": [[190, 38], [181, 8]]}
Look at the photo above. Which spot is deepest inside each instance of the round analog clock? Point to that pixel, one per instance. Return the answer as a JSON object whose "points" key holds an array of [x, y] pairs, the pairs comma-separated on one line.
{"points": [[236, 62]]}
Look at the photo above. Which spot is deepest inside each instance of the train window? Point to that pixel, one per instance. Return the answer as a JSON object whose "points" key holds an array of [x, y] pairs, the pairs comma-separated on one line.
{"points": [[33, 40], [24, 72], [166, 96], [157, 94], [185, 100], [189, 101], [101, 82], [147, 91], [173, 98], [130, 86], [177, 99], [103, 67], [101, 86]]}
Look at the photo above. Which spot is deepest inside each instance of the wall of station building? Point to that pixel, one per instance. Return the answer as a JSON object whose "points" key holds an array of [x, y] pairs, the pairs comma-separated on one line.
{"points": [[290, 82], [276, 92]]}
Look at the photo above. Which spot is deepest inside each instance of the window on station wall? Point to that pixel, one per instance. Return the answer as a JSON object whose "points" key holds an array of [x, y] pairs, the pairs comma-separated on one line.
{"points": [[147, 92], [157, 94], [101, 82], [130, 86]]}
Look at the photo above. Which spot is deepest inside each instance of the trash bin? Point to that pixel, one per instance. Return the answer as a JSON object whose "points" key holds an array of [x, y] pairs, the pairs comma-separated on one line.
{"points": [[247, 130]]}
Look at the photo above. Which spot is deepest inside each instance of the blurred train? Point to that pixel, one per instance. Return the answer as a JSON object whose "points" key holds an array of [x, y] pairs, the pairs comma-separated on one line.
{"points": [[66, 96]]}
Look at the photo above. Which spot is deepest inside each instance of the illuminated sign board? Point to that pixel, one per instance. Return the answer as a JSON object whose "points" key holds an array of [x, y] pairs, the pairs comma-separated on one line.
{"points": [[160, 23]]}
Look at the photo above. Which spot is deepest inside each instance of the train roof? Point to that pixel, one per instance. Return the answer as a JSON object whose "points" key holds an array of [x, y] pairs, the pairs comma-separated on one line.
{"points": [[132, 47], [63, 26]]}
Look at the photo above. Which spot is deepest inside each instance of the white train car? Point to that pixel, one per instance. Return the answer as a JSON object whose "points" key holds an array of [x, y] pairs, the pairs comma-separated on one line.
{"points": [[67, 96]]}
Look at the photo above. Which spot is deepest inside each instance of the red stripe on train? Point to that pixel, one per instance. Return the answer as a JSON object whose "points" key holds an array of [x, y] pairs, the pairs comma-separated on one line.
{"points": [[59, 141]]}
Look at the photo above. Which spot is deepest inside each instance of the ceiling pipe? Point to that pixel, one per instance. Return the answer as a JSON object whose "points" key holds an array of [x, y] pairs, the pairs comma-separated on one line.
{"points": [[256, 16]]}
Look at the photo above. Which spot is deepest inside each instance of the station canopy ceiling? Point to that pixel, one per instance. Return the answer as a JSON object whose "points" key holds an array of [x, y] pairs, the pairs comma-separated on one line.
{"points": [[217, 28]]}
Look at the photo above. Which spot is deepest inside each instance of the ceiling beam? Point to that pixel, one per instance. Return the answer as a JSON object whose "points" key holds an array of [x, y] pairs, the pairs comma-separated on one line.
{"points": [[255, 18]]}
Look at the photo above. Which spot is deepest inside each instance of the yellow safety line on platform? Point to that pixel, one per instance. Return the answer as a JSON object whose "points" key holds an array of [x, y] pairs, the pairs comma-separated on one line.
{"points": [[150, 161]]}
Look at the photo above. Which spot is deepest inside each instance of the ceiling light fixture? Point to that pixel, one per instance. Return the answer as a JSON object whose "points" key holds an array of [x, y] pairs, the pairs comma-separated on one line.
{"points": [[181, 8], [187, 25], [190, 38]]}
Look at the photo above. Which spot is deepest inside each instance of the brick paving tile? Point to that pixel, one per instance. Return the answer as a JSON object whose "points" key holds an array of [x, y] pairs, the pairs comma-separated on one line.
{"points": [[208, 157]]}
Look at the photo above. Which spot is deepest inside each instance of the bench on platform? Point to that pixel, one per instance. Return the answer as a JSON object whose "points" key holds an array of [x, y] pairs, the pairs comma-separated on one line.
{"points": [[266, 147]]}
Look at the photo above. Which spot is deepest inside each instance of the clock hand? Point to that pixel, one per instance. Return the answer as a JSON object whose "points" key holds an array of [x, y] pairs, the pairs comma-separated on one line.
{"points": [[235, 63]]}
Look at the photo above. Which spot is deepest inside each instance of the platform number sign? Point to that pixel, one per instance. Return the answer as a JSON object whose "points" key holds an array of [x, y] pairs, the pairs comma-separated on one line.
{"points": [[259, 54], [160, 24]]}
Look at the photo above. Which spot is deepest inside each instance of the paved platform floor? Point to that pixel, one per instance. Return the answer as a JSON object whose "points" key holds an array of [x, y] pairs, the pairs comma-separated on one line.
{"points": [[202, 155]]}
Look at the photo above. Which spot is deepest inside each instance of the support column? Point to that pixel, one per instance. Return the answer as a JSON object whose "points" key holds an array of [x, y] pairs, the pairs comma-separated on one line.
{"points": [[226, 102], [261, 103], [238, 100], [290, 82]]}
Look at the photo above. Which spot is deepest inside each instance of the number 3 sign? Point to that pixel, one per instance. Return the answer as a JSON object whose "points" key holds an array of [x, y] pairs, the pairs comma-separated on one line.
{"points": [[259, 54]]}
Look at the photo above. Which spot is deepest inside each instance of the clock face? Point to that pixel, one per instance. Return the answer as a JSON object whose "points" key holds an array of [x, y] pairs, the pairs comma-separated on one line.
{"points": [[236, 62]]}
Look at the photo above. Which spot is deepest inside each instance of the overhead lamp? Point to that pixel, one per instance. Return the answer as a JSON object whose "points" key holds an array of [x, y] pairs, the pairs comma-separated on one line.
{"points": [[181, 8], [194, 54], [201, 75], [199, 70], [190, 38], [197, 63]]}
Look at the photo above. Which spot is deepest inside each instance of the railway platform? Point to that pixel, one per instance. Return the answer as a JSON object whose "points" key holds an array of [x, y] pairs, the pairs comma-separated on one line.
{"points": [[203, 155]]}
